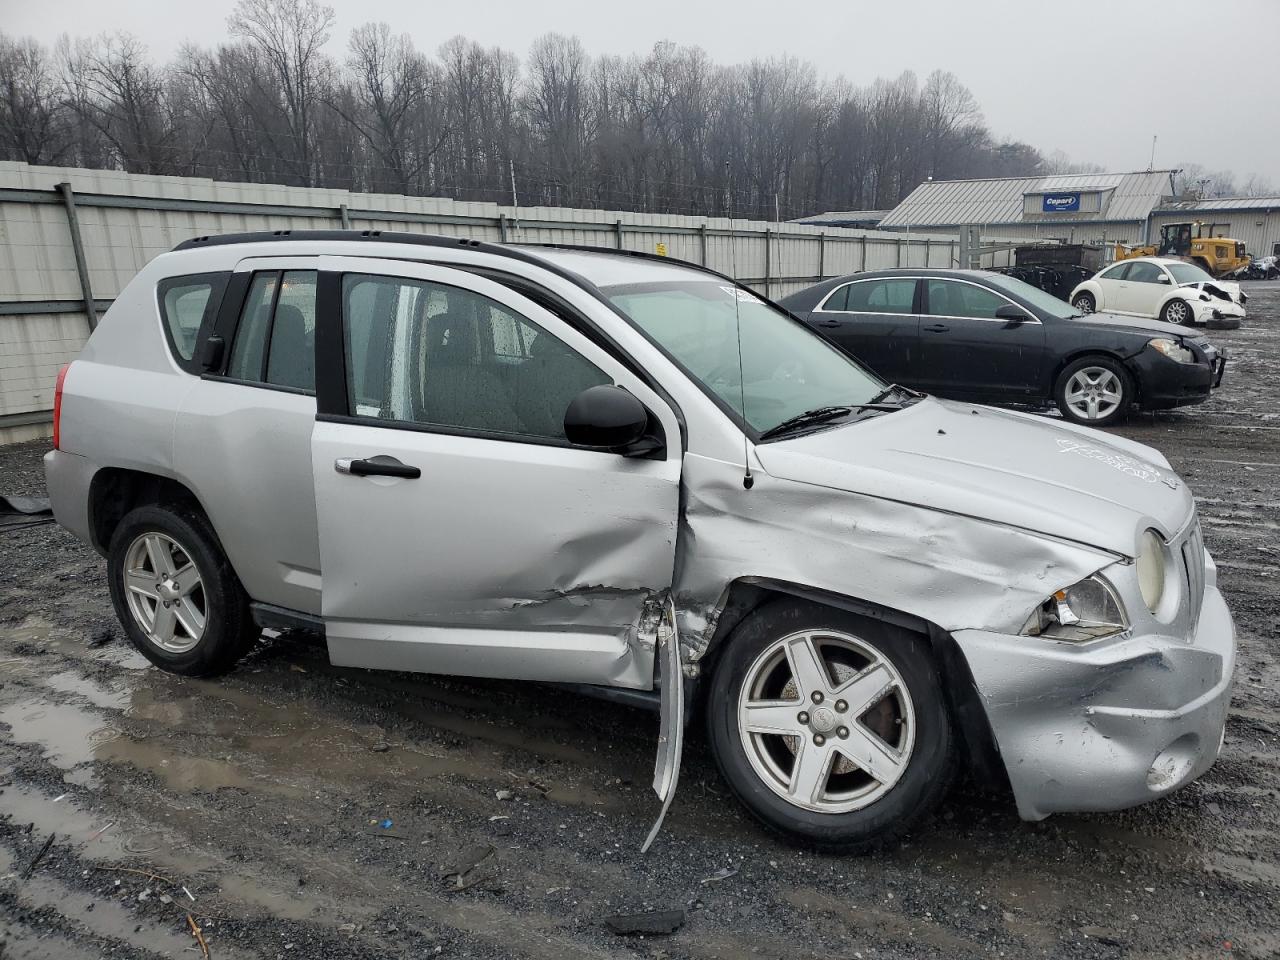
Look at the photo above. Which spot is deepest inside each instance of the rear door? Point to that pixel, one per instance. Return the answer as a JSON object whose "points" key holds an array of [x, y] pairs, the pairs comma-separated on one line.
{"points": [[499, 550], [969, 352], [875, 320]]}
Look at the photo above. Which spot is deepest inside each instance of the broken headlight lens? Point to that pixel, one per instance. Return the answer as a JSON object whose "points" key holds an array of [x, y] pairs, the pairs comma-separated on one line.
{"points": [[1086, 611], [1150, 565], [1172, 349]]}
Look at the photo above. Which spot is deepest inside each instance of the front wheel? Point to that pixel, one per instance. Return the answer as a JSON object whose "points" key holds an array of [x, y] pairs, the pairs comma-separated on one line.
{"points": [[175, 592], [1177, 311], [830, 728], [1085, 303], [1095, 391]]}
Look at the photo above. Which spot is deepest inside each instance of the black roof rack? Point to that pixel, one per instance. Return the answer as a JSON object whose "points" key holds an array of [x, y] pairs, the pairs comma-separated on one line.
{"points": [[379, 236]]}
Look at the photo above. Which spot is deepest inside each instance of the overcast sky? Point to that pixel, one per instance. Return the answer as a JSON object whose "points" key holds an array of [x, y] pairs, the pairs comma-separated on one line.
{"points": [[1094, 78]]}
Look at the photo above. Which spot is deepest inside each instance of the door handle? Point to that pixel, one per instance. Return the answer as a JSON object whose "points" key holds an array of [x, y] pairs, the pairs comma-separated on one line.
{"points": [[827, 323], [937, 328], [379, 466]]}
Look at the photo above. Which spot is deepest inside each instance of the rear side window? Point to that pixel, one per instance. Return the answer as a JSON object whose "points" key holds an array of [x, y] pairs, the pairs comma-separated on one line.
{"points": [[881, 296], [185, 304], [948, 298], [1114, 273], [275, 339]]}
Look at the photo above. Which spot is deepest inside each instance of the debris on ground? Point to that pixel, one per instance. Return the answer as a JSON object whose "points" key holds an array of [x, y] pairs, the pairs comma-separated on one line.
{"points": [[35, 862], [199, 935], [653, 923], [472, 865], [101, 637], [724, 873]]}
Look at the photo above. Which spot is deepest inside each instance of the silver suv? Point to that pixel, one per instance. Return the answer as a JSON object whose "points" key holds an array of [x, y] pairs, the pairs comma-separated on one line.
{"points": [[633, 474]]}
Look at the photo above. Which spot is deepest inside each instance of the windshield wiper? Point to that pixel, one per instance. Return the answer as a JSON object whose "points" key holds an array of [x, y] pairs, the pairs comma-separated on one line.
{"points": [[890, 390], [816, 415]]}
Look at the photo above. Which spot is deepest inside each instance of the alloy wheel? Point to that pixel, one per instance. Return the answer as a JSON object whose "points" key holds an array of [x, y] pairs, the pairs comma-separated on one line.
{"points": [[165, 592], [826, 721], [1177, 312], [1084, 304], [1094, 393]]}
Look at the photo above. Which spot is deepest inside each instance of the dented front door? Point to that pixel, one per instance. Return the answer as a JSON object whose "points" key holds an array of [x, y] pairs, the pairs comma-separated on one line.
{"points": [[495, 549]]}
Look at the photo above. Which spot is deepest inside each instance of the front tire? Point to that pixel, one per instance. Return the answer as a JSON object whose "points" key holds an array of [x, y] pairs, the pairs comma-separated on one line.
{"points": [[1094, 391], [1178, 311], [175, 592], [1085, 303], [830, 728]]}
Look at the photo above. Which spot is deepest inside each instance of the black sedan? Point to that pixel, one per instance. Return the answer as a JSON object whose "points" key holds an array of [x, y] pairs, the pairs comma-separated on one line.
{"points": [[975, 335]]}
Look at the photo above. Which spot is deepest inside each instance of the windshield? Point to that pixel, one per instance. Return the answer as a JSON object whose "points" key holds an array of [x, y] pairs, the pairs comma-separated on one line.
{"points": [[1187, 273], [789, 369], [1042, 301]]}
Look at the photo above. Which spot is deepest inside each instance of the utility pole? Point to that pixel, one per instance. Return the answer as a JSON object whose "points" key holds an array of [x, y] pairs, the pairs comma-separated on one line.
{"points": [[515, 200]]}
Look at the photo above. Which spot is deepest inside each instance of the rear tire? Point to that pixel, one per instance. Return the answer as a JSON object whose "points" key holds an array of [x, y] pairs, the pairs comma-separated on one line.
{"points": [[1094, 391], [1178, 311], [1085, 303], [876, 704], [175, 592]]}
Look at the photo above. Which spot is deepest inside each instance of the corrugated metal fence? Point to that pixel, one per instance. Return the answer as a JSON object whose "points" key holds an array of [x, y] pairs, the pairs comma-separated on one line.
{"points": [[71, 239]]}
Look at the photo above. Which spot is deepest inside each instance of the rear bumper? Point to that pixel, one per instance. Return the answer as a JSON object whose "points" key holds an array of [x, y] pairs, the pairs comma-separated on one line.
{"points": [[1087, 729], [68, 477]]}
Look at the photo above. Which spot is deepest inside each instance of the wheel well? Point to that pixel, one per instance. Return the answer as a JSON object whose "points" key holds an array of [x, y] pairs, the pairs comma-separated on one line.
{"points": [[115, 491], [963, 701], [1083, 354]]}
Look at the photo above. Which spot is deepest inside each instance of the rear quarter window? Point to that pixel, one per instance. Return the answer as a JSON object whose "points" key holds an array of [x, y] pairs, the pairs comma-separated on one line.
{"points": [[186, 303]]}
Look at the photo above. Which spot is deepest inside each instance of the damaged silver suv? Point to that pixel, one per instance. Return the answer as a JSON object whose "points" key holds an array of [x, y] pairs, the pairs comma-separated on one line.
{"points": [[631, 473]]}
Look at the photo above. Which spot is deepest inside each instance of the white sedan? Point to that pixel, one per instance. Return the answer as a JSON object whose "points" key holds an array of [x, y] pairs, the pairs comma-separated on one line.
{"points": [[1172, 290]]}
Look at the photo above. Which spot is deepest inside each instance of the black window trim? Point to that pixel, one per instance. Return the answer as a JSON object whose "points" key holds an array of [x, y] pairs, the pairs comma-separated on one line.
{"points": [[218, 281], [227, 326], [333, 402]]}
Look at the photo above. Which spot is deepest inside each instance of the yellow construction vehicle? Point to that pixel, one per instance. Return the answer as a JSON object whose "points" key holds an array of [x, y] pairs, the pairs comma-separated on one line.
{"points": [[1215, 255]]}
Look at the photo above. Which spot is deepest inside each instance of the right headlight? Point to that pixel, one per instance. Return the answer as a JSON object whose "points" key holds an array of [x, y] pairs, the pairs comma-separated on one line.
{"points": [[1172, 349], [1088, 610], [1150, 565]]}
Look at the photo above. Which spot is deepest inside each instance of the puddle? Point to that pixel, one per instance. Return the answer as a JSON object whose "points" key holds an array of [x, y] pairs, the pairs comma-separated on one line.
{"points": [[68, 734], [69, 681], [66, 818], [280, 905]]}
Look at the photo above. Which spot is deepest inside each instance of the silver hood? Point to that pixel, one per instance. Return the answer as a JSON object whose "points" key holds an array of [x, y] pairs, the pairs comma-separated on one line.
{"points": [[1009, 468]]}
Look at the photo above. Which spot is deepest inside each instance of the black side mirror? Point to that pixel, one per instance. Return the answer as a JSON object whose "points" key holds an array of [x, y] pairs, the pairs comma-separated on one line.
{"points": [[211, 353], [1014, 315], [609, 418]]}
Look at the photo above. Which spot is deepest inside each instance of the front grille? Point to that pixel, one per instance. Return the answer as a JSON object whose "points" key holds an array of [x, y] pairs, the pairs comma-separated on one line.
{"points": [[1193, 569]]}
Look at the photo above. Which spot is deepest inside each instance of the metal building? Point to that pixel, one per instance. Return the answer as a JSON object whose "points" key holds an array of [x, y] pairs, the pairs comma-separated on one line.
{"points": [[1072, 208], [1255, 220]]}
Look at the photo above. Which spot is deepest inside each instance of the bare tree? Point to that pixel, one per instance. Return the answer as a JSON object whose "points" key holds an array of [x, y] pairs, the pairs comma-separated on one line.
{"points": [[290, 35], [33, 120]]}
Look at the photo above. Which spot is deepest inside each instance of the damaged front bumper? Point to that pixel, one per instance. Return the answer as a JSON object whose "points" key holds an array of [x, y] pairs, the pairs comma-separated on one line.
{"points": [[1105, 726]]}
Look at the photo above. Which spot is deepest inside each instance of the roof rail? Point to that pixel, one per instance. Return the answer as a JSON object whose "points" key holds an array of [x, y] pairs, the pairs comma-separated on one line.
{"points": [[378, 236]]}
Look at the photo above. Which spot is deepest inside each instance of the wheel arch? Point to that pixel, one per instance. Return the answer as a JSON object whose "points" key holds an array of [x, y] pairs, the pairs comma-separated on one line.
{"points": [[114, 491], [748, 594], [1092, 351]]}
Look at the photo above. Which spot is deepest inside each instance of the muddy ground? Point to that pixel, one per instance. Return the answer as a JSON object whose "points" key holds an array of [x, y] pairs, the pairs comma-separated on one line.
{"points": [[253, 803]]}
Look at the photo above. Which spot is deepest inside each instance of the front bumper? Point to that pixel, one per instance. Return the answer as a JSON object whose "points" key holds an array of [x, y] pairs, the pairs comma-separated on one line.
{"points": [[1164, 383], [1109, 725], [1218, 314]]}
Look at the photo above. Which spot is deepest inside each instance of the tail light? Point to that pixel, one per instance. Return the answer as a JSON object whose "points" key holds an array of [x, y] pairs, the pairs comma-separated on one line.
{"points": [[57, 406]]}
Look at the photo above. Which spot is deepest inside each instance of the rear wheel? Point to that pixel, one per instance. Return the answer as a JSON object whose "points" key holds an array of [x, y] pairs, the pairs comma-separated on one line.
{"points": [[1177, 311], [830, 728], [1085, 303], [1096, 391], [175, 593]]}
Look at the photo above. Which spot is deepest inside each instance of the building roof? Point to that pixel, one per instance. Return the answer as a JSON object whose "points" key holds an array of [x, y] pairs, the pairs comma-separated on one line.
{"points": [[1222, 203], [834, 218], [939, 203]]}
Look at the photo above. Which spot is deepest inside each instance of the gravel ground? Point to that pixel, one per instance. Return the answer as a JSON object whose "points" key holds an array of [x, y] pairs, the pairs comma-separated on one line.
{"points": [[252, 804]]}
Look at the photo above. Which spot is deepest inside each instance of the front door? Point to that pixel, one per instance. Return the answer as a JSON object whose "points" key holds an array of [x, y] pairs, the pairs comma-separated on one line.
{"points": [[460, 532], [967, 352], [1142, 288]]}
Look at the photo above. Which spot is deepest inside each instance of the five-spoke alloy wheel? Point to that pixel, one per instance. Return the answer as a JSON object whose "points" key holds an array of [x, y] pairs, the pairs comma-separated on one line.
{"points": [[1096, 391], [175, 592], [1177, 311], [830, 727]]}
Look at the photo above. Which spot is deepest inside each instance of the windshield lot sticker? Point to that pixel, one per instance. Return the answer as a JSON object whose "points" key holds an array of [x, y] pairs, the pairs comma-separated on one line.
{"points": [[1125, 464]]}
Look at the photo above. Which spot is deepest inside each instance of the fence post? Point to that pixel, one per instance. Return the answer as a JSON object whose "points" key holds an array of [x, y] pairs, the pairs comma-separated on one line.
{"points": [[617, 234], [344, 216], [899, 263], [502, 227], [702, 237], [926, 253], [82, 266], [862, 263], [822, 255], [766, 261]]}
